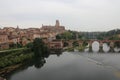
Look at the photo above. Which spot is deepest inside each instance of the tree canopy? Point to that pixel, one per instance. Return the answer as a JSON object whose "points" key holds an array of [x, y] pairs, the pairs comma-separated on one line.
{"points": [[39, 47]]}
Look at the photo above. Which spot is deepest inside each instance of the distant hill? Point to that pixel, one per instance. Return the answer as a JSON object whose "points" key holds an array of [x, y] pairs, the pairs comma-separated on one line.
{"points": [[112, 34]]}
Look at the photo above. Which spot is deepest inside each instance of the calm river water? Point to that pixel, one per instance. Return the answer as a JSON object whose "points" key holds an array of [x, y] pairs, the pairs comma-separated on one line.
{"points": [[72, 66]]}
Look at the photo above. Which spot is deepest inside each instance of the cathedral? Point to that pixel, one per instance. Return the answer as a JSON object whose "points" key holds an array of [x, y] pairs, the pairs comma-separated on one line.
{"points": [[57, 28]]}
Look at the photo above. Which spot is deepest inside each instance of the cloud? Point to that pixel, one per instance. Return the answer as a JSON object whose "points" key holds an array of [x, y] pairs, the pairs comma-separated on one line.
{"points": [[80, 14]]}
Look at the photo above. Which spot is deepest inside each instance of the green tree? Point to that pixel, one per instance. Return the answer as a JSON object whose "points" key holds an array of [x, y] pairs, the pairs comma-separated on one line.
{"points": [[30, 46], [68, 35], [58, 36], [39, 47], [85, 43], [75, 44]]}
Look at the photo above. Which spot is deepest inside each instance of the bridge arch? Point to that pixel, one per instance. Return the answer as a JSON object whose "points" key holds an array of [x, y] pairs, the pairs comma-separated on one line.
{"points": [[75, 43], [65, 44], [96, 46], [111, 43]]}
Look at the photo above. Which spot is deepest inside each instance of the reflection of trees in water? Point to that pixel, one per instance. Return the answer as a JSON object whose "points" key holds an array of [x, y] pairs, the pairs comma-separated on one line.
{"points": [[56, 51], [37, 62]]}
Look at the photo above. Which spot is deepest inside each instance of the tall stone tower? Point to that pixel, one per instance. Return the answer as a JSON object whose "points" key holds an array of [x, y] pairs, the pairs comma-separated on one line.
{"points": [[57, 23], [17, 29]]}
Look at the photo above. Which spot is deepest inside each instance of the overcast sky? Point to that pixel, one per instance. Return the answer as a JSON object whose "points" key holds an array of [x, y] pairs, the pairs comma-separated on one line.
{"points": [[80, 15]]}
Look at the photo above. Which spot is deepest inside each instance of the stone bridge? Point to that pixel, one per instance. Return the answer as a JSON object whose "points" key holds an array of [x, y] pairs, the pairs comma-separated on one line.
{"points": [[59, 44], [111, 43]]}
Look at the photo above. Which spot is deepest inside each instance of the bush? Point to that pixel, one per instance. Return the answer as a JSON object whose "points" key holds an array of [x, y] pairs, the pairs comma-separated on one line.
{"points": [[15, 58]]}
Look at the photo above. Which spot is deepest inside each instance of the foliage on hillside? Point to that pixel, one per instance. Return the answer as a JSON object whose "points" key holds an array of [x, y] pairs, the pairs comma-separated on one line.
{"points": [[39, 47], [15, 57], [111, 35], [68, 35]]}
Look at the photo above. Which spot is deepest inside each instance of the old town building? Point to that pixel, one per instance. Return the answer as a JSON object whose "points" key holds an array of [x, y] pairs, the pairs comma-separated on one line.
{"points": [[56, 44], [11, 35], [4, 41]]}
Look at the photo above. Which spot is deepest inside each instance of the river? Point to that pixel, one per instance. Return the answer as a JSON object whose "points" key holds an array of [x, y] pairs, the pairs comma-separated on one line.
{"points": [[72, 66]]}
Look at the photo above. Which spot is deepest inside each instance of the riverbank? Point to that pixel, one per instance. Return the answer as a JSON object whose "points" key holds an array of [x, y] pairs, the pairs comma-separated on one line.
{"points": [[13, 59], [11, 50], [5, 71], [78, 48]]}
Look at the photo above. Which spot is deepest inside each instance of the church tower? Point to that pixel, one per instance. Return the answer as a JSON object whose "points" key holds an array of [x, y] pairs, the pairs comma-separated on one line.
{"points": [[17, 29], [57, 23]]}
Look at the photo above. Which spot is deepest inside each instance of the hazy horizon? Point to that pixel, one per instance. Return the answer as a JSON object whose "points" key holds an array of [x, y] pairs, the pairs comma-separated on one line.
{"points": [[79, 15]]}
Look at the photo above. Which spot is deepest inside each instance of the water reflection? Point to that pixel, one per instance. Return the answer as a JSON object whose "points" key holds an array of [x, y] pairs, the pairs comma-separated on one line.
{"points": [[106, 48], [66, 63], [95, 46], [37, 62], [72, 66], [117, 49], [86, 49]]}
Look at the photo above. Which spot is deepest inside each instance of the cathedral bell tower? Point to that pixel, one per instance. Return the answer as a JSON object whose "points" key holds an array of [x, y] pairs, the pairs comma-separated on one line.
{"points": [[57, 23]]}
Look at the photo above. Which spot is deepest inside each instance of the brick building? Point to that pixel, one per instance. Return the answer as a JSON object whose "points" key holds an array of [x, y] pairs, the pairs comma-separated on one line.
{"points": [[4, 44]]}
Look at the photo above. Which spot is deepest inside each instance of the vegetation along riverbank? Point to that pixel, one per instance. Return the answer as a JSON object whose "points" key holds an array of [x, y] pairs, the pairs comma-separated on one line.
{"points": [[13, 59]]}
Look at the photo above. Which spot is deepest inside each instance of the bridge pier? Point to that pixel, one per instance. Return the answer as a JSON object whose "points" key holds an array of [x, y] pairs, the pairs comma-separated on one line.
{"points": [[90, 46], [101, 49], [111, 47], [101, 46], [70, 45], [80, 44]]}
